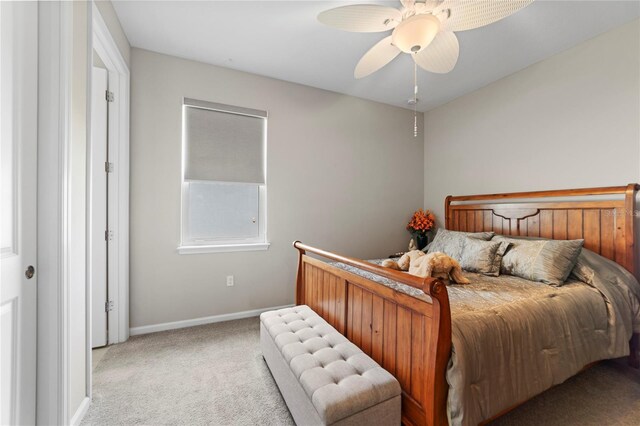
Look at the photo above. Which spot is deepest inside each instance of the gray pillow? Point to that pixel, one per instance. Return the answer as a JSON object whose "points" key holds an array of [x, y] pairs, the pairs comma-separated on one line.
{"points": [[583, 270], [452, 242], [482, 256], [547, 261]]}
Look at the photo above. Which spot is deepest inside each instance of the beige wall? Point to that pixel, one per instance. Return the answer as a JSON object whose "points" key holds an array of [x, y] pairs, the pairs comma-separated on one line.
{"points": [[343, 174], [113, 23], [570, 121]]}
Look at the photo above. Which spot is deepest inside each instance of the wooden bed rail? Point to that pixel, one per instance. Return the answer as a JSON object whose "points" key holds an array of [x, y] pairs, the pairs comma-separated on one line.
{"points": [[424, 284], [604, 190], [408, 336]]}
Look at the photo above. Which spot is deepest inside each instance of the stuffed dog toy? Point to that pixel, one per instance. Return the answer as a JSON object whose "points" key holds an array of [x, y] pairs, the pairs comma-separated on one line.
{"points": [[437, 265]]}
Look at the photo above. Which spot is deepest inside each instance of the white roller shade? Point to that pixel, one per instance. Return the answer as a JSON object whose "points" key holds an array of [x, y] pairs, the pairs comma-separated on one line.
{"points": [[223, 143]]}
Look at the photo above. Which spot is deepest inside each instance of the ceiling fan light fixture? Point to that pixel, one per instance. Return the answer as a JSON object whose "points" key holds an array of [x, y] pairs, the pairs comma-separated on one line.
{"points": [[414, 34]]}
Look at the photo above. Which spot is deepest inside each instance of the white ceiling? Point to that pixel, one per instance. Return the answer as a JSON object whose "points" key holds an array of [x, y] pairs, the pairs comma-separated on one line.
{"points": [[283, 40]]}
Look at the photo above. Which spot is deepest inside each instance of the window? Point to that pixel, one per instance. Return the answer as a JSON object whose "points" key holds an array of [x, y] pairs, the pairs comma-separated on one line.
{"points": [[223, 178]]}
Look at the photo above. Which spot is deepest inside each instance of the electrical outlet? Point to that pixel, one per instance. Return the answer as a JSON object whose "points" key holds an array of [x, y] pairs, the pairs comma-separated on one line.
{"points": [[229, 280]]}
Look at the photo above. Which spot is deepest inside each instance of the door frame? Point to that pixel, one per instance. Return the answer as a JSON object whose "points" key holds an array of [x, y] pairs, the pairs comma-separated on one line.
{"points": [[118, 193], [55, 30], [55, 47]]}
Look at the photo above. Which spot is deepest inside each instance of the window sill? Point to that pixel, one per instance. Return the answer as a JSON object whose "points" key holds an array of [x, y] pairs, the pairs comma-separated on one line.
{"points": [[223, 248]]}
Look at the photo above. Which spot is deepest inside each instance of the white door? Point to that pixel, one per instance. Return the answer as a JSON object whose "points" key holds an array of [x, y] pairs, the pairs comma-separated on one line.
{"points": [[98, 207], [18, 155]]}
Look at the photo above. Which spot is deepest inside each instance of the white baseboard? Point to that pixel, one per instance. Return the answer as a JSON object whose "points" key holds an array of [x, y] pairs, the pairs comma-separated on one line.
{"points": [[134, 331], [80, 412]]}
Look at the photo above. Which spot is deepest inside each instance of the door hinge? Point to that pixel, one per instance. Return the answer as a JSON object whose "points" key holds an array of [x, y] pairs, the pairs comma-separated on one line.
{"points": [[108, 306], [108, 235], [108, 167], [109, 96]]}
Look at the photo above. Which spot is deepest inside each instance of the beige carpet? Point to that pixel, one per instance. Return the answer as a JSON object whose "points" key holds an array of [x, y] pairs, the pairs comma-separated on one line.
{"points": [[206, 375], [97, 355], [606, 394], [215, 375]]}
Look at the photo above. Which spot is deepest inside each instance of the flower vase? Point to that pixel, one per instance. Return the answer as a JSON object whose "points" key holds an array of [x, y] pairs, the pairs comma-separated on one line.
{"points": [[421, 240]]}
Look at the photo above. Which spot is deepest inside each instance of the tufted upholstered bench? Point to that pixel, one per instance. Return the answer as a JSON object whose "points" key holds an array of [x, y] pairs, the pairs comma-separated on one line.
{"points": [[323, 377]]}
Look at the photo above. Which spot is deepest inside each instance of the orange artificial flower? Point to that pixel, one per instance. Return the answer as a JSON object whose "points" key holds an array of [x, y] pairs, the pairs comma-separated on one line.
{"points": [[421, 221]]}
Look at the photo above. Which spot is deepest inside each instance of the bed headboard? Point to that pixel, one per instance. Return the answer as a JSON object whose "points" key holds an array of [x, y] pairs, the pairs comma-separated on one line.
{"points": [[606, 225]]}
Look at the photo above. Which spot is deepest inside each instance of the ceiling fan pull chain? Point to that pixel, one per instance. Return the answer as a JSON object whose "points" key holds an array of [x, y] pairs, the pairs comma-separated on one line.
{"points": [[415, 100], [415, 82]]}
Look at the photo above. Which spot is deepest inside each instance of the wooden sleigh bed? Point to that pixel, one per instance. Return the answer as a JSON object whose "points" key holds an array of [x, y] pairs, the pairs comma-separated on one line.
{"points": [[411, 337]]}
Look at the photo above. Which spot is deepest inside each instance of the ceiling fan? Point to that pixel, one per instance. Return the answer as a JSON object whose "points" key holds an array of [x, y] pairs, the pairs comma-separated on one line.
{"points": [[424, 29]]}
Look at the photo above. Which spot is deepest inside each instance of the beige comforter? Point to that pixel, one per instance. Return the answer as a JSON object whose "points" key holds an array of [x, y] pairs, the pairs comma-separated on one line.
{"points": [[513, 338]]}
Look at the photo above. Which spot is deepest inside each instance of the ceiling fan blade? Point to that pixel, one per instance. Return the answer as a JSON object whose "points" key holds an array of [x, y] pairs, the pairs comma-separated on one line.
{"points": [[470, 14], [441, 55], [377, 57], [361, 18]]}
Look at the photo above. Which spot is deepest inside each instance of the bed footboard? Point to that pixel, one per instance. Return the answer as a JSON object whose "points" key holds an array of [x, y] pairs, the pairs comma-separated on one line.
{"points": [[409, 337]]}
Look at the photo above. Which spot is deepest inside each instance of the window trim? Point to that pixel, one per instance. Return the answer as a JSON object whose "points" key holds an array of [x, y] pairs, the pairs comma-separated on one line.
{"points": [[223, 248], [220, 246], [229, 109]]}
